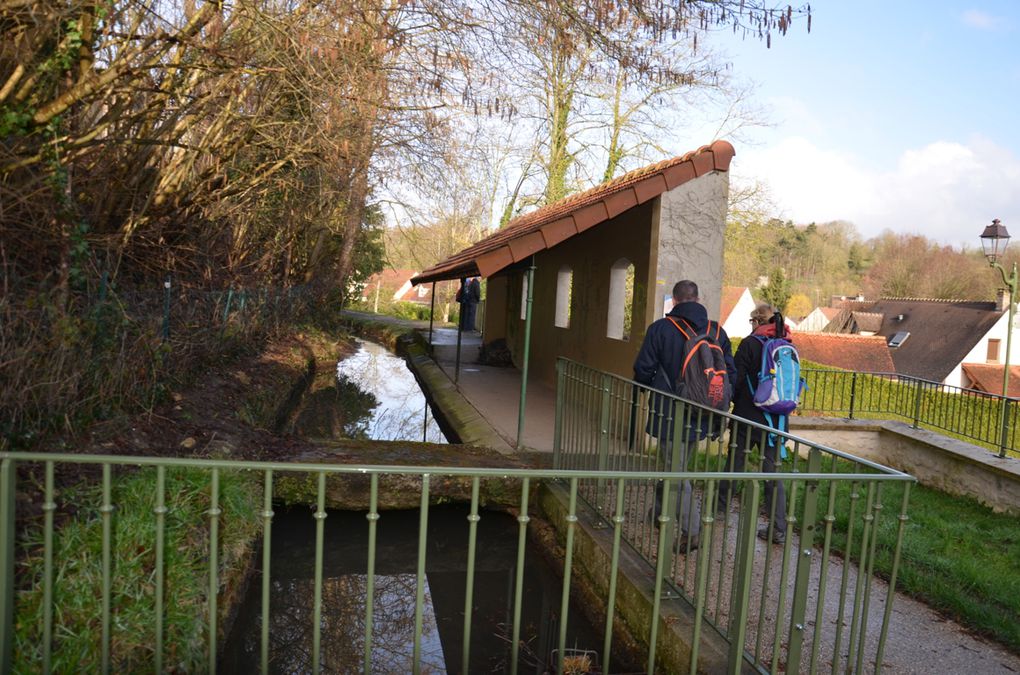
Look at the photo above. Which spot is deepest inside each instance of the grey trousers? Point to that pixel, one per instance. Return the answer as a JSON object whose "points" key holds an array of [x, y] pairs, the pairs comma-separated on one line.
{"points": [[689, 507]]}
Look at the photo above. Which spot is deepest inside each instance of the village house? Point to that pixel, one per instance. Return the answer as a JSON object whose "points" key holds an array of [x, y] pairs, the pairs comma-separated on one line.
{"points": [[735, 310], [955, 342]]}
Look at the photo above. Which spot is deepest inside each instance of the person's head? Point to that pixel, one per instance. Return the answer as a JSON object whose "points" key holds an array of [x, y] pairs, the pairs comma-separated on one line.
{"points": [[685, 291], [762, 314]]}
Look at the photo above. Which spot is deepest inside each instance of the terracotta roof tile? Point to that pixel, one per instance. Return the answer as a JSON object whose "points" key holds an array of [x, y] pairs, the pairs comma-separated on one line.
{"points": [[863, 353], [552, 224], [988, 377], [870, 322]]}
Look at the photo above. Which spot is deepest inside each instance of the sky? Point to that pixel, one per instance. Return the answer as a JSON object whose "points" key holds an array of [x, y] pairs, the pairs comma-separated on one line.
{"points": [[894, 115]]}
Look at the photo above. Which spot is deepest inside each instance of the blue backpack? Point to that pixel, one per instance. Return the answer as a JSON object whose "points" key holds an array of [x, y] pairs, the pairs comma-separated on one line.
{"points": [[779, 381], [779, 384]]}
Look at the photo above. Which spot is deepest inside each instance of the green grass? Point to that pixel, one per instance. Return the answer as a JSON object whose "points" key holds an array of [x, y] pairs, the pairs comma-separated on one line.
{"points": [[77, 564], [958, 556]]}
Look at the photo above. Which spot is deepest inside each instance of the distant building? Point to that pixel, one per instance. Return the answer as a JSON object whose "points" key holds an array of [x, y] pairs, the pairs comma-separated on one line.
{"points": [[817, 319], [955, 342], [735, 310]]}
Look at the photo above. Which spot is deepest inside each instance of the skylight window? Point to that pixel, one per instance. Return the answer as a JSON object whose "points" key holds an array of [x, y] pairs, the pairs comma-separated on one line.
{"points": [[898, 339]]}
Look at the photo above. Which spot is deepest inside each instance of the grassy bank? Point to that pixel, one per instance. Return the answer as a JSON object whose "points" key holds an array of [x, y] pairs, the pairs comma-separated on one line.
{"points": [[958, 557], [78, 565]]}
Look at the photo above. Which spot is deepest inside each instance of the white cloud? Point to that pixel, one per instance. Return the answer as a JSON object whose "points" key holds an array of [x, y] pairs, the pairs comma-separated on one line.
{"points": [[947, 191], [975, 18]]}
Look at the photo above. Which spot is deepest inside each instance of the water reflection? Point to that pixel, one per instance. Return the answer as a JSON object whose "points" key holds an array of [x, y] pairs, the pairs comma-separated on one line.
{"points": [[344, 592], [381, 399]]}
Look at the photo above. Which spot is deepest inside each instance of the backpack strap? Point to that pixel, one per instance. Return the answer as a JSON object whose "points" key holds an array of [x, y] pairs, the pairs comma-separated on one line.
{"points": [[679, 328]]}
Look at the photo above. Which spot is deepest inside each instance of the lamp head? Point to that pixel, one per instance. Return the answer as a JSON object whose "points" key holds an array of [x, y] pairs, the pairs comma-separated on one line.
{"points": [[994, 240]]}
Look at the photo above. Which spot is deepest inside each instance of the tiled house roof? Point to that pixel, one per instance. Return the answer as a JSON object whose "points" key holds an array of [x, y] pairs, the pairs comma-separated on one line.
{"points": [[388, 280], [556, 222], [867, 322], [942, 332], [988, 377], [863, 353]]}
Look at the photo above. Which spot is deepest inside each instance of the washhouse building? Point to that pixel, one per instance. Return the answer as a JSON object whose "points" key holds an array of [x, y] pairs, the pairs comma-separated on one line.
{"points": [[603, 263]]}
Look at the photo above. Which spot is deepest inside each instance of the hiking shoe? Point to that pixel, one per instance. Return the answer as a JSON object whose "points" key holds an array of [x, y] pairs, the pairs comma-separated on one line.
{"points": [[778, 537], [688, 543]]}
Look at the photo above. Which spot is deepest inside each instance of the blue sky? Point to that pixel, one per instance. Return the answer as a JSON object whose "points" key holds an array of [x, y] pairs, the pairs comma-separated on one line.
{"points": [[894, 115]]}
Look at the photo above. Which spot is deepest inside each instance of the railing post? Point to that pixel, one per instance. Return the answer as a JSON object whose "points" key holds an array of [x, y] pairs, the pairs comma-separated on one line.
{"points": [[1004, 432], [7, 505], [558, 423], [853, 393], [603, 449], [917, 402], [808, 527], [743, 566]]}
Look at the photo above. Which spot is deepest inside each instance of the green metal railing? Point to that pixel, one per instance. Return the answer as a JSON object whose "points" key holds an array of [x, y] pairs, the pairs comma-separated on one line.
{"points": [[807, 604], [964, 413]]}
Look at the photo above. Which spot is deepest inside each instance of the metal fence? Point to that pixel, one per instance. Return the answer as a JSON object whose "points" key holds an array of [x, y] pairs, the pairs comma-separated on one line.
{"points": [[968, 414], [804, 600]]}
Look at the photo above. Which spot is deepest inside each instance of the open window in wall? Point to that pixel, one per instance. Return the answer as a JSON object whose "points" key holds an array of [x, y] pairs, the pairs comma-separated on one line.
{"points": [[564, 290], [621, 296], [524, 297]]}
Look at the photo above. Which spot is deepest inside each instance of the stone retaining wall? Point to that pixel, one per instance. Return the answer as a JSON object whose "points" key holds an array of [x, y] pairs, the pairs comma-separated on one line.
{"points": [[943, 463]]}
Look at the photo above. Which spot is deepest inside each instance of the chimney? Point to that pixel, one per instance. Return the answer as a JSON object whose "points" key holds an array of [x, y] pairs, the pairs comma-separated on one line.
{"points": [[1001, 300]]}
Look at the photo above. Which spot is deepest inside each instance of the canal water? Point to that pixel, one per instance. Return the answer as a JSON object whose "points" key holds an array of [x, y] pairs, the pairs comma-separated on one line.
{"points": [[400, 411], [379, 398], [343, 598]]}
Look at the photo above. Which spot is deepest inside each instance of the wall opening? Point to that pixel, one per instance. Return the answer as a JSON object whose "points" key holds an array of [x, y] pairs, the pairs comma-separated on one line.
{"points": [[564, 293], [621, 300]]}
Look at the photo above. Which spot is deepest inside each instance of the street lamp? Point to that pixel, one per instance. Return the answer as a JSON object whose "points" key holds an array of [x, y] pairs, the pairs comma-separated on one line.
{"points": [[993, 241]]}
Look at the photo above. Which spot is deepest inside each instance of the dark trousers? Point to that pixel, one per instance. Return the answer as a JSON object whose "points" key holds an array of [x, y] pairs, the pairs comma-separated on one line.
{"points": [[748, 438]]}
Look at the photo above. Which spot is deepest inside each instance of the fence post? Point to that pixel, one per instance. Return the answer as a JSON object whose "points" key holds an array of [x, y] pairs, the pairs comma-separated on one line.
{"points": [[853, 393], [7, 506], [917, 403], [558, 423], [1004, 441], [603, 458], [802, 577], [166, 309], [743, 568]]}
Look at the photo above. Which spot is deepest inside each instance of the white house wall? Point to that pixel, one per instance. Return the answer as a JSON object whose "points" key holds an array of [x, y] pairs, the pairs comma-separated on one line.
{"points": [[979, 354], [738, 322]]}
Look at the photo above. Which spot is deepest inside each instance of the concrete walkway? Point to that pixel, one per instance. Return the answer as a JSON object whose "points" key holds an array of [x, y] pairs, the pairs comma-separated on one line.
{"points": [[920, 640]]}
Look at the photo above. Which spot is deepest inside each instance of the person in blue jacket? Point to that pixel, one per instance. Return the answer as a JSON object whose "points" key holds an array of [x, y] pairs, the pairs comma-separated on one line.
{"points": [[658, 366]]}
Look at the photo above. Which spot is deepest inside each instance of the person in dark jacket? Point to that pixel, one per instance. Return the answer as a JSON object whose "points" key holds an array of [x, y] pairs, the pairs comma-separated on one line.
{"points": [[745, 438], [468, 296], [658, 366]]}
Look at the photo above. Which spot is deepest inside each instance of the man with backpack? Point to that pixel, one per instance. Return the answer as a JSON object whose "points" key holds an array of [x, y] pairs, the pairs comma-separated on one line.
{"points": [[685, 336], [768, 401]]}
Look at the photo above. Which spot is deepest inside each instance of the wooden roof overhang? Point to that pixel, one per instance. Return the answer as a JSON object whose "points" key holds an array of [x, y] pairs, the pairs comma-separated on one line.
{"points": [[554, 223]]}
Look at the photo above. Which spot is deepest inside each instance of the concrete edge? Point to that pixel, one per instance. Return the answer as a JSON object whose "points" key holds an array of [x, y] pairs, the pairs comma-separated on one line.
{"points": [[1006, 466]]}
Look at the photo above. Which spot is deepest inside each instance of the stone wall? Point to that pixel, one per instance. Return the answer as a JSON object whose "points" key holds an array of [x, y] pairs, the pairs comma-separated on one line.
{"points": [[943, 463]]}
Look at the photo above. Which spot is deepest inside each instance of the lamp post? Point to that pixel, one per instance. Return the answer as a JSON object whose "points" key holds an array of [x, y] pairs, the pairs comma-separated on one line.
{"points": [[993, 241]]}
